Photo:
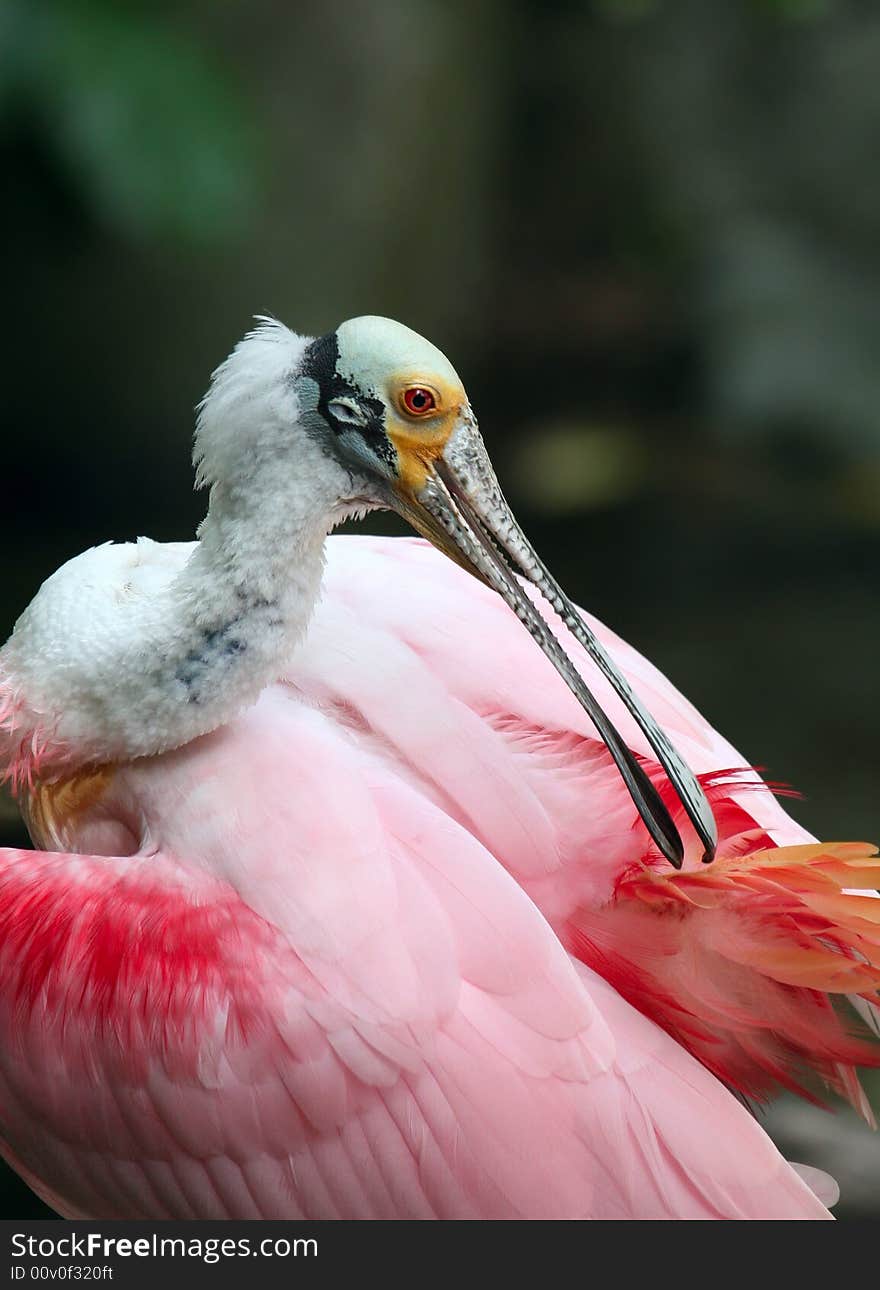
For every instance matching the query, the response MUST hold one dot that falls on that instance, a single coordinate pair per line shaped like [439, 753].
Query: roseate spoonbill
[345, 909]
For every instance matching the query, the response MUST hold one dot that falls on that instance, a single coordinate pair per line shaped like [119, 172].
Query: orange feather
[743, 962]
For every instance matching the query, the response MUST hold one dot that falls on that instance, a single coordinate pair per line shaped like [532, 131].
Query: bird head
[389, 399]
[387, 414]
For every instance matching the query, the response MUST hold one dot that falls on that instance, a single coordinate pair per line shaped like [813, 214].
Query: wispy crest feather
[257, 375]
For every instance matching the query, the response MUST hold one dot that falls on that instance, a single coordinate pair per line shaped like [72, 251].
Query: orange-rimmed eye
[419, 401]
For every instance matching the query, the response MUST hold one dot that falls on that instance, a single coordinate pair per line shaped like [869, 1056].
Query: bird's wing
[395, 1032]
[430, 666]
[420, 656]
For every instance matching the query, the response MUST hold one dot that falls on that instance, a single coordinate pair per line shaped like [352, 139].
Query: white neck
[232, 617]
[129, 651]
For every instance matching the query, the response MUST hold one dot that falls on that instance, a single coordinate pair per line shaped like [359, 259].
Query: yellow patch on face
[51, 808]
[420, 440]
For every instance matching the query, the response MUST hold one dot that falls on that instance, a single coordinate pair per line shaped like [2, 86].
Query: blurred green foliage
[150, 125]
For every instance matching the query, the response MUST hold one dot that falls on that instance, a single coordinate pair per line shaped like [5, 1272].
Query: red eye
[418, 401]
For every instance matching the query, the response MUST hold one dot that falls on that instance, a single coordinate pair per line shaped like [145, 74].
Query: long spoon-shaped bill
[462, 511]
[506, 532]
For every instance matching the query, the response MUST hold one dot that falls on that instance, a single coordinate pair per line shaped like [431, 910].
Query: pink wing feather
[327, 984]
[173, 1057]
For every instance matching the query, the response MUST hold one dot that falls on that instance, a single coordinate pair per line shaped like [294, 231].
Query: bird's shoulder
[94, 592]
[65, 646]
[110, 572]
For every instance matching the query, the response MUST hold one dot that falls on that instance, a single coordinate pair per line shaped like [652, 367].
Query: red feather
[737, 962]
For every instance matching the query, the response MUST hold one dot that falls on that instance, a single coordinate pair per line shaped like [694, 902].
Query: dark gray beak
[462, 510]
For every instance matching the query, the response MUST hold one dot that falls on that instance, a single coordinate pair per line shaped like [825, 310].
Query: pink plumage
[357, 900]
[331, 980]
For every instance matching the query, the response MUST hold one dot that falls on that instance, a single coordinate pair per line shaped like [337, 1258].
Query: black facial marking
[319, 363]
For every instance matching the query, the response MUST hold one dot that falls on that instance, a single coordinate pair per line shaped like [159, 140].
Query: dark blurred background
[645, 232]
